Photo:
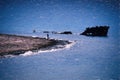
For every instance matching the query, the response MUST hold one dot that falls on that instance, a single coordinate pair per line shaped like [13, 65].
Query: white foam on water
[59, 47]
[6, 56]
[27, 53]
[70, 45]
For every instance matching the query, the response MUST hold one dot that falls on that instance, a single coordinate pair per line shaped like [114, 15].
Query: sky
[58, 15]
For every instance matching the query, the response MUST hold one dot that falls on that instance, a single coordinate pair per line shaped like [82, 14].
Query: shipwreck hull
[96, 31]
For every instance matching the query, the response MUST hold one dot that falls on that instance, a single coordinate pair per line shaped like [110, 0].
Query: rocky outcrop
[15, 45]
[66, 32]
[46, 31]
[54, 32]
[96, 31]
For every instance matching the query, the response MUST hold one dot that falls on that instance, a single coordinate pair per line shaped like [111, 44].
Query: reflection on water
[91, 58]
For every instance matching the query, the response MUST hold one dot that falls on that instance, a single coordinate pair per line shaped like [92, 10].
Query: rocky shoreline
[15, 45]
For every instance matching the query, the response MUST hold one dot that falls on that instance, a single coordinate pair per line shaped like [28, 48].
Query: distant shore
[15, 45]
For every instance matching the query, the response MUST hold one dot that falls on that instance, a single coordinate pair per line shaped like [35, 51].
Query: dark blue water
[90, 58]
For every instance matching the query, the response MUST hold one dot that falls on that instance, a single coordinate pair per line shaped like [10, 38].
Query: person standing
[47, 36]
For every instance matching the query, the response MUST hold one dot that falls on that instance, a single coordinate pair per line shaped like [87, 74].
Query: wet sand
[15, 45]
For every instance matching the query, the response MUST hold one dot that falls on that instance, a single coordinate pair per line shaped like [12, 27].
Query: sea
[87, 58]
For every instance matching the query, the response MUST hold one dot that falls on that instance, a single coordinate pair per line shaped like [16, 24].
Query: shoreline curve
[17, 45]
